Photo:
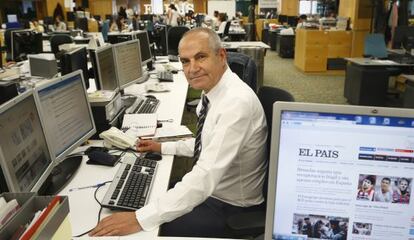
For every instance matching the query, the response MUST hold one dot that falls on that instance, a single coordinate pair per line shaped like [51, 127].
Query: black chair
[251, 225]
[244, 67]
[58, 39]
[81, 23]
[174, 36]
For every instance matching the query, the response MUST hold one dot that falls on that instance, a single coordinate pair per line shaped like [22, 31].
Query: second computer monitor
[68, 116]
[73, 60]
[25, 42]
[104, 65]
[144, 44]
[128, 63]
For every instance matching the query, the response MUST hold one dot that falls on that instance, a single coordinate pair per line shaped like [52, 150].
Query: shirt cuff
[169, 148]
[148, 218]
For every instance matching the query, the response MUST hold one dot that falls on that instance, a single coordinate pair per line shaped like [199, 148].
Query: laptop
[340, 172]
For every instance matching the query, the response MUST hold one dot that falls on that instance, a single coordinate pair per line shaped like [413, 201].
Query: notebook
[138, 125]
[340, 172]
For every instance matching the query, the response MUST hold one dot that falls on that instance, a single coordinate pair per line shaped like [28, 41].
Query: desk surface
[376, 63]
[83, 208]
[233, 45]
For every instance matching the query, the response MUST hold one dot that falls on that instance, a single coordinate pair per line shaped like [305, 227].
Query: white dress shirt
[232, 163]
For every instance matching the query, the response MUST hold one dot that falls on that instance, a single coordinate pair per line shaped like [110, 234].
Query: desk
[83, 208]
[366, 80]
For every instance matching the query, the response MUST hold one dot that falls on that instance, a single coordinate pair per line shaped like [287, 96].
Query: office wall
[223, 6]
[101, 7]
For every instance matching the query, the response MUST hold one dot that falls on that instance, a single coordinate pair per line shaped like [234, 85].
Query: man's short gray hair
[213, 38]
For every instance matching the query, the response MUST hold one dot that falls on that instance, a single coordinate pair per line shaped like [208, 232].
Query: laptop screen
[341, 172]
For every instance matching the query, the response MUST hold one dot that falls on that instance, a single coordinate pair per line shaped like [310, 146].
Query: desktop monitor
[144, 44]
[128, 63]
[68, 121]
[327, 168]
[70, 16]
[25, 156]
[11, 18]
[25, 42]
[160, 36]
[73, 60]
[104, 66]
[400, 35]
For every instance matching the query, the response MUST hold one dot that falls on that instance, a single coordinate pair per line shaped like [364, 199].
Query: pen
[166, 120]
[86, 187]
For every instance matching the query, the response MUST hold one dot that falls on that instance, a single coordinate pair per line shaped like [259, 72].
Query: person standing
[172, 16]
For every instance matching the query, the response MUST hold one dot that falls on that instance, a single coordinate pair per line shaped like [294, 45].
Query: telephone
[117, 138]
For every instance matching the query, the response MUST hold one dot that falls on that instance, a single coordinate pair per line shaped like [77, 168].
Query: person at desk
[301, 21]
[229, 152]
[59, 25]
[36, 26]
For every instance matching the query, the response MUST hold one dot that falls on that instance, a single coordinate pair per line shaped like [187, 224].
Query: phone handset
[117, 138]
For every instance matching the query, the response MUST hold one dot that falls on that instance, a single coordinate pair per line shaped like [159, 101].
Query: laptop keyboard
[131, 185]
[165, 76]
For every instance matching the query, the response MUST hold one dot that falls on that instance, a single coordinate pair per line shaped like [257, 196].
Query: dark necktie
[200, 124]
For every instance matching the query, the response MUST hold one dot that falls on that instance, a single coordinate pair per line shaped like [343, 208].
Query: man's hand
[148, 146]
[118, 224]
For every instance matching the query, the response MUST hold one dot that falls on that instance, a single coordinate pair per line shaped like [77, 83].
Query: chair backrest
[375, 46]
[82, 23]
[58, 39]
[268, 96]
[105, 29]
[244, 67]
[174, 36]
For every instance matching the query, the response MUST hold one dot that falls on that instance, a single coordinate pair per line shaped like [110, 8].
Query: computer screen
[25, 157]
[105, 68]
[144, 44]
[128, 63]
[73, 60]
[161, 39]
[114, 38]
[25, 42]
[401, 33]
[69, 120]
[340, 172]
[11, 18]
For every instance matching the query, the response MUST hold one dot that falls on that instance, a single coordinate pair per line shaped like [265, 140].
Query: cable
[100, 210]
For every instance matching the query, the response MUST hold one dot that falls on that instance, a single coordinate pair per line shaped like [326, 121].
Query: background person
[229, 152]
[172, 15]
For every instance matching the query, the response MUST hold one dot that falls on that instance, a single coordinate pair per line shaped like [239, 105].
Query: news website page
[344, 177]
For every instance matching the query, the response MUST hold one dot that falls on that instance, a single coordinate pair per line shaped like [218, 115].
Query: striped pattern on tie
[200, 124]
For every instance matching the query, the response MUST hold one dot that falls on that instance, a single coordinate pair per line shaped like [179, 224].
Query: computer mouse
[153, 156]
[174, 71]
[150, 96]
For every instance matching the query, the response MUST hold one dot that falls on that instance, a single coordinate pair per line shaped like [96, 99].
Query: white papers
[138, 125]
[171, 133]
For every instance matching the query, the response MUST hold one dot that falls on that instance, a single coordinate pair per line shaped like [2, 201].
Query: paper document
[138, 125]
[171, 133]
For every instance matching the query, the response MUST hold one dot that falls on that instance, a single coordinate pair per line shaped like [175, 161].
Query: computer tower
[8, 90]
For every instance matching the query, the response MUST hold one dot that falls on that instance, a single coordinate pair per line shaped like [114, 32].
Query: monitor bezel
[87, 135]
[13, 187]
[144, 62]
[139, 79]
[278, 108]
[98, 67]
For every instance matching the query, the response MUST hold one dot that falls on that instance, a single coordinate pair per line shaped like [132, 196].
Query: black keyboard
[402, 58]
[149, 106]
[165, 76]
[131, 185]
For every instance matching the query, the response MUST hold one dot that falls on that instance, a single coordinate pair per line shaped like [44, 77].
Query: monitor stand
[61, 175]
[150, 66]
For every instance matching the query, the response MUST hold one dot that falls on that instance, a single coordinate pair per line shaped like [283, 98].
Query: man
[307, 228]
[229, 152]
[402, 195]
[384, 195]
[366, 192]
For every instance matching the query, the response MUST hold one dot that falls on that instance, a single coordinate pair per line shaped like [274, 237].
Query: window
[308, 7]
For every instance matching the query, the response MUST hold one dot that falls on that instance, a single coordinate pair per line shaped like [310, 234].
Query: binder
[57, 221]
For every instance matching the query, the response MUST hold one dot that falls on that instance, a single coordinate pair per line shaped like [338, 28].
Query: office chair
[251, 225]
[174, 36]
[244, 67]
[375, 46]
[58, 39]
[105, 29]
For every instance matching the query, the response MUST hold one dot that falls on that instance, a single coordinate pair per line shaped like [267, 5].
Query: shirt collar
[214, 94]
